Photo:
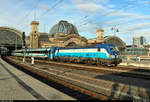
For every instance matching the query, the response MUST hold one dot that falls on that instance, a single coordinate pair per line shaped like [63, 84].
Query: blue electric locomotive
[106, 54]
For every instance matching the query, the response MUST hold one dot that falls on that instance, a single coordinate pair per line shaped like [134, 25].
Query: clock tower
[34, 35]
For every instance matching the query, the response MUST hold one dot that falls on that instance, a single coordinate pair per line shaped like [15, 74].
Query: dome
[63, 27]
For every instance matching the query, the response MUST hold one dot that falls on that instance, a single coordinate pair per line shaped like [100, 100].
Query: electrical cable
[59, 1]
[28, 14]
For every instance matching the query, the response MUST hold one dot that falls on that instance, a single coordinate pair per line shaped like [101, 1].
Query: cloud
[91, 28]
[136, 27]
[124, 14]
[124, 18]
[118, 13]
[140, 2]
[131, 18]
[14, 14]
[104, 1]
[116, 21]
[88, 6]
[43, 6]
[110, 6]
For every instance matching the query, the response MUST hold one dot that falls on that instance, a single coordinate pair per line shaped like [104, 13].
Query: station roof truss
[10, 37]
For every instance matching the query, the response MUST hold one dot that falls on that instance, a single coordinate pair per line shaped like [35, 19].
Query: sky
[131, 17]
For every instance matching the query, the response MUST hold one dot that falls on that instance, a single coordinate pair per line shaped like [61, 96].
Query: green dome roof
[63, 27]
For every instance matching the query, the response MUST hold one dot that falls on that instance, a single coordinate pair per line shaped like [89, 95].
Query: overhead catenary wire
[28, 14]
[80, 20]
[59, 1]
[85, 23]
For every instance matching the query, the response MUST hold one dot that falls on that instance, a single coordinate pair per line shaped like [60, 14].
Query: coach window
[99, 49]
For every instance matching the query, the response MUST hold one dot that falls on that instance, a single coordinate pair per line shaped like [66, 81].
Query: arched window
[72, 44]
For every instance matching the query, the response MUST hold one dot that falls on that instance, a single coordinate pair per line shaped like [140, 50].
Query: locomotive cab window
[113, 48]
[98, 49]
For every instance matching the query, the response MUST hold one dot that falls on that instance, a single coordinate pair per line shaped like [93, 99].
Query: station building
[62, 34]
[65, 34]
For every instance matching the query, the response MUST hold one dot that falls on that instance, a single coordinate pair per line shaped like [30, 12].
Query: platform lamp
[24, 45]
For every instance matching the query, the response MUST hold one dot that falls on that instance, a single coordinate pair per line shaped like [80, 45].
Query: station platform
[142, 65]
[17, 85]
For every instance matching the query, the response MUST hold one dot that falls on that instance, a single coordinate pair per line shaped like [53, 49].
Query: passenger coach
[37, 53]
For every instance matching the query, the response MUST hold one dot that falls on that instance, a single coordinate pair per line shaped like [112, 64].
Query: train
[3, 51]
[101, 54]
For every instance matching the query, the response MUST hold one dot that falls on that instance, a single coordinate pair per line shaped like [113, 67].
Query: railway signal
[24, 45]
[23, 39]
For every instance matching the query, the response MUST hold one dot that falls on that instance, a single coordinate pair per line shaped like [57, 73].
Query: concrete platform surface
[136, 64]
[17, 85]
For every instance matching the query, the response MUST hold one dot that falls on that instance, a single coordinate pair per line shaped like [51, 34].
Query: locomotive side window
[112, 48]
[98, 49]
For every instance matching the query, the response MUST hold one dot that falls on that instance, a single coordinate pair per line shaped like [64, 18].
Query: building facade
[34, 35]
[142, 40]
[139, 41]
[62, 34]
[99, 39]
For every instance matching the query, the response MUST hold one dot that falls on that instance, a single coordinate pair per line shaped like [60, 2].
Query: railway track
[80, 80]
[120, 71]
[65, 80]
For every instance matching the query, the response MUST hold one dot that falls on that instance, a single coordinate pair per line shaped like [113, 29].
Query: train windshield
[114, 48]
